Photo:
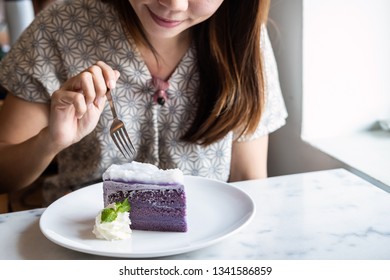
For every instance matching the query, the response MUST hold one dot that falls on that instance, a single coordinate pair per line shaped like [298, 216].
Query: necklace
[160, 95]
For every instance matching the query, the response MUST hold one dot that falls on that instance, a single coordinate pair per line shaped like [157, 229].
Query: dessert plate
[215, 210]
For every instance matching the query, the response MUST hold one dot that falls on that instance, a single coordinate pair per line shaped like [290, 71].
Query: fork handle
[109, 97]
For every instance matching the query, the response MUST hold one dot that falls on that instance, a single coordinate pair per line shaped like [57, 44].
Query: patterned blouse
[69, 37]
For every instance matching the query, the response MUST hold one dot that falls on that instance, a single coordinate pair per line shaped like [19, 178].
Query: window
[346, 83]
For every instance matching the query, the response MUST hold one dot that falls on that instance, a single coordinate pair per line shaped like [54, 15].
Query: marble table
[324, 215]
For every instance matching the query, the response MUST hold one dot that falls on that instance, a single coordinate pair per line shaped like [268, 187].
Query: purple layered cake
[156, 196]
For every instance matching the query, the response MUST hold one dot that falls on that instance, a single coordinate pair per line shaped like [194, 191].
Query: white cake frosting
[143, 172]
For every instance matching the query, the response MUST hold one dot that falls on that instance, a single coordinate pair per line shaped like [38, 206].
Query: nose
[175, 5]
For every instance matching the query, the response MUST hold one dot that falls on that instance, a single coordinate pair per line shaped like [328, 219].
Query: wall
[288, 153]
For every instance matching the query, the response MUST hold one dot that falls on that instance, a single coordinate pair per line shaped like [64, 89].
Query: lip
[167, 23]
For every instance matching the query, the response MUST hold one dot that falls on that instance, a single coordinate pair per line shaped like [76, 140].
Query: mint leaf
[108, 215]
[123, 206]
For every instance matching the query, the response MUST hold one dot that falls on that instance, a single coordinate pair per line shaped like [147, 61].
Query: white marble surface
[372, 161]
[319, 215]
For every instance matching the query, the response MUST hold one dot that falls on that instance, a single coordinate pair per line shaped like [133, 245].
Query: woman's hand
[73, 113]
[78, 104]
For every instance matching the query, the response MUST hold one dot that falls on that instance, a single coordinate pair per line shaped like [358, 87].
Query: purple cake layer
[153, 207]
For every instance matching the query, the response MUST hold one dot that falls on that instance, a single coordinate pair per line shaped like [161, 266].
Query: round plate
[215, 210]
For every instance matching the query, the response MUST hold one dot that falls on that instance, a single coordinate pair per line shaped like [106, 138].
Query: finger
[117, 74]
[64, 100]
[100, 103]
[87, 87]
[103, 77]
[80, 105]
[93, 84]
[110, 75]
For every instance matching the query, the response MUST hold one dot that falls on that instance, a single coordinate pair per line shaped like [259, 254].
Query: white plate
[215, 210]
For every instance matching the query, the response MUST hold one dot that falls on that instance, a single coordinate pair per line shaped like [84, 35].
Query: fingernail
[111, 84]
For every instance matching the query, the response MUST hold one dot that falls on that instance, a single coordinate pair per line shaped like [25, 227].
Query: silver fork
[118, 132]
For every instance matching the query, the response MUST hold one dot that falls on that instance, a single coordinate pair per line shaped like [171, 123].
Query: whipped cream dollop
[143, 172]
[118, 229]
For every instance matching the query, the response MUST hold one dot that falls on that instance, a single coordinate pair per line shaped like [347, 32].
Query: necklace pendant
[160, 96]
[161, 101]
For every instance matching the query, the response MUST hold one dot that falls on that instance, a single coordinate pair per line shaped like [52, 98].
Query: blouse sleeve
[275, 113]
[31, 69]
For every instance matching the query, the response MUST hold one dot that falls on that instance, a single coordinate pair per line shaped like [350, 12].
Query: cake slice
[156, 196]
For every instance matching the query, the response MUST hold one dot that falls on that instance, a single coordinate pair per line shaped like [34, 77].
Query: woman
[194, 85]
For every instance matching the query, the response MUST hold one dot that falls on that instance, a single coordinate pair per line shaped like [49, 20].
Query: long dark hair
[231, 90]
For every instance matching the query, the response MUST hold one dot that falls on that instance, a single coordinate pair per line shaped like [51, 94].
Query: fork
[118, 132]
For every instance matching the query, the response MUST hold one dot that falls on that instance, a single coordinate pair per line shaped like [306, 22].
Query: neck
[169, 52]
[166, 45]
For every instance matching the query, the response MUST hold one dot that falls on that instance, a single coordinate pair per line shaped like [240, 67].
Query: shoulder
[67, 23]
[76, 10]
[72, 5]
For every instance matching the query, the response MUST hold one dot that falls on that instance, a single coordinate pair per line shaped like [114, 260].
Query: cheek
[204, 9]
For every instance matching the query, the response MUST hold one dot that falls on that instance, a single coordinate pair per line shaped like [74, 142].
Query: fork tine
[127, 141]
[120, 143]
[117, 144]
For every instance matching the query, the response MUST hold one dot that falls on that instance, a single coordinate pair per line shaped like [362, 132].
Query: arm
[32, 134]
[249, 160]
[24, 155]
